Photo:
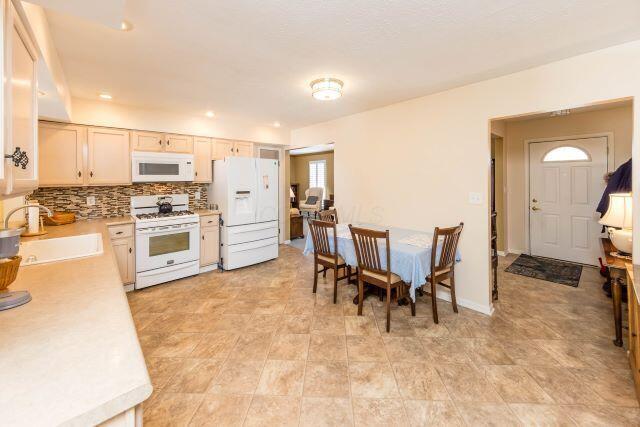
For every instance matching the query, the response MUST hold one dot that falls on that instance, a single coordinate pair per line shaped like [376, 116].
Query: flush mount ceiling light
[209, 114]
[126, 26]
[326, 89]
[105, 95]
[276, 124]
[41, 93]
[560, 113]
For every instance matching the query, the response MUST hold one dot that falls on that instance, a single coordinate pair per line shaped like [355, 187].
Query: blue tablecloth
[412, 263]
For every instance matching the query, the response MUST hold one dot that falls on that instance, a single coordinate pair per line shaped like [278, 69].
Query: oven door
[161, 169]
[168, 245]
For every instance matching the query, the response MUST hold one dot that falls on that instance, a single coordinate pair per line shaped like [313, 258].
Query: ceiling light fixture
[560, 113]
[41, 92]
[276, 124]
[326, 89]
[126, 26]
[209, 114]
[105, 95]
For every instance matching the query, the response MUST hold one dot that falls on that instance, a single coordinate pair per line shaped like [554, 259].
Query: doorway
[565, 183]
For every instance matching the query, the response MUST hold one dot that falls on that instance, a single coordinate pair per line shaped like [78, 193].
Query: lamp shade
[619, 212]
[291, 195]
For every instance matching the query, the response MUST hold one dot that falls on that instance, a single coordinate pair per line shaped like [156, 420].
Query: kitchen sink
[60, 249]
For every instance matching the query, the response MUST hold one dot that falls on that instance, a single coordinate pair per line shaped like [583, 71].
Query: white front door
[566, 181]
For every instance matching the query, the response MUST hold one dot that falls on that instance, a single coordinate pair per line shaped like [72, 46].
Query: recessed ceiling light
[326, 89]
[105, 95]
[126, 26]
[276, 124]
[42, 93]
[210, 114]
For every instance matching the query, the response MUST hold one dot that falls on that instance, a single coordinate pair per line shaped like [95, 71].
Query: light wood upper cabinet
[203, 152]
[108, 158]
[243, 149]
[20, 125]
[225, 148]
[60, 149]
[147, 141]
[178, 143]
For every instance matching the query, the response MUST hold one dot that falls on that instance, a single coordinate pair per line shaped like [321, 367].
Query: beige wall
[300, 171]
[413, 164]
[106, 113]
[618, 121]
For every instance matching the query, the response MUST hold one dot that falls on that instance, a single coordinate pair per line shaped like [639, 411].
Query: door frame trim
[527, 177]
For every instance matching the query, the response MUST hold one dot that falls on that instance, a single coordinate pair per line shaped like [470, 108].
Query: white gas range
[167, 244]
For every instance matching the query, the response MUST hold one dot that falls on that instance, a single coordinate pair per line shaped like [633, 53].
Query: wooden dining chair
[447, 239]
[370, 269]
[323, 255]
[330, 215]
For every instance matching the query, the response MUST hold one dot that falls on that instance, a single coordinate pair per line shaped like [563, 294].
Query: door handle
[535, 208]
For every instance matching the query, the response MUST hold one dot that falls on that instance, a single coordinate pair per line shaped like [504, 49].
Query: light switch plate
[197, 195]
[91, 200]
[475, 198]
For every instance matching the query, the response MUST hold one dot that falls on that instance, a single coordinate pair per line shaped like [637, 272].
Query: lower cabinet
[209, 240]
[634, 332]
[123, 245]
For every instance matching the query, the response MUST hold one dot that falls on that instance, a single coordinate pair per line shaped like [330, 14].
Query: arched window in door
[566, 153]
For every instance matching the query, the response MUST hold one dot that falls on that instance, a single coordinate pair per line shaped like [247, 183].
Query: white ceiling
[254, 60]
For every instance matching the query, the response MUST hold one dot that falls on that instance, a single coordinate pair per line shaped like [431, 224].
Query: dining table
[410, 252]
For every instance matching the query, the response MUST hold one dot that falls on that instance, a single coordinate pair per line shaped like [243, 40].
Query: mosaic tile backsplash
[112, 201]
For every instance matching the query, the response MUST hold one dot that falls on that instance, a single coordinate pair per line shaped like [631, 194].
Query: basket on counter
[8, 271]
[60, 218]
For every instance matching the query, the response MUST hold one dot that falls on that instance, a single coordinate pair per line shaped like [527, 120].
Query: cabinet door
[108, 155]
[147, 141]
[243, 149]
[60, 147]
[179, 143]
[223, 148]
[21, 109]
[202, 150]
[125, 259]
[209, 245]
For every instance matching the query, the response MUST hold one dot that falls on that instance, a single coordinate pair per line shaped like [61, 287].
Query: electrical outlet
[91, 200]
[197, 195]
[475, 198]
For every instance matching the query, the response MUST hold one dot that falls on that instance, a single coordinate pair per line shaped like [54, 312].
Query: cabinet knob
[79, 174]
[202, 237]
[91, 173]
[130, 250]
[196, 173]
[119, 232]
[167, 142]
[160, 142]
[633, 334]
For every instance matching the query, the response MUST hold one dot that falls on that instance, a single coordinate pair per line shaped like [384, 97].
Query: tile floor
[257, 347]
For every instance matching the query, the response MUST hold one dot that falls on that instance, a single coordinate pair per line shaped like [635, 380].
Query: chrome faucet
[12, 211]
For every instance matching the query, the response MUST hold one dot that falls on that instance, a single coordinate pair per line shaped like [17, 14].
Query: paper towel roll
[34, 218]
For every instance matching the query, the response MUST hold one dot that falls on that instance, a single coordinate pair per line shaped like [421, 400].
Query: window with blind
[318, 174]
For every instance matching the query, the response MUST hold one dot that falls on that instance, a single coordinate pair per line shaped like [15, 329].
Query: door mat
[551, 270]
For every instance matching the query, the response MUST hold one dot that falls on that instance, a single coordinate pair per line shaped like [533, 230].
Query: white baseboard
[516, 251]
[130, 287]
[208, 268]
[462, 302]
[287, 242]
[502, 253]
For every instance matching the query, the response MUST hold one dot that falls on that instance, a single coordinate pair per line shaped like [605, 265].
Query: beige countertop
[71, 356]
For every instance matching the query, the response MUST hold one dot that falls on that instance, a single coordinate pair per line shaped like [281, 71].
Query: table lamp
[618, 221]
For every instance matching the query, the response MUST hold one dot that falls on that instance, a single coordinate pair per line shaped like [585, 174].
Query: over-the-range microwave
[161, 167]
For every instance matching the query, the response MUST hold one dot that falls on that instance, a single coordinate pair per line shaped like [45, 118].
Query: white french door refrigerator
[246, 192]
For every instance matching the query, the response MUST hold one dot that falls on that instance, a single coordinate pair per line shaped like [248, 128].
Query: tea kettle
[164, 205]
